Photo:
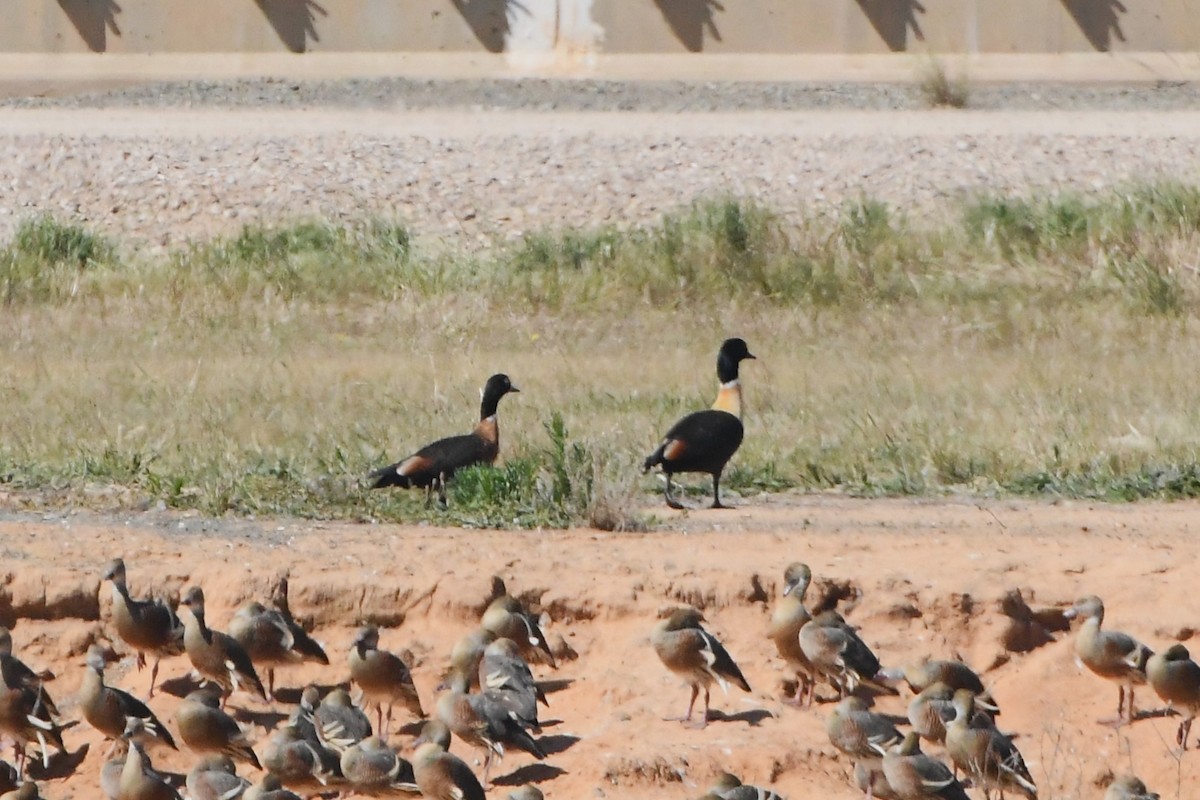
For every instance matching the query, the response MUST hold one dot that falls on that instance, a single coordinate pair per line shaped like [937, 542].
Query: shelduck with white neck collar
[430, 467]
[704, 441]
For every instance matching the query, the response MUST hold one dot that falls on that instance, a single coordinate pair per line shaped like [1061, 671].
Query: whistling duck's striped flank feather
[721, 663]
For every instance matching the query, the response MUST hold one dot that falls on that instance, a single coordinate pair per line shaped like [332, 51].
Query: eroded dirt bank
[930, 574]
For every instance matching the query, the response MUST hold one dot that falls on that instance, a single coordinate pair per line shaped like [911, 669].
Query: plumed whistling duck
[981, 751]
[704, 441]
[912, 774]
[1110, 654]
[1176, 678]
[1129, 787]
[214, 777]
[430, 467]
[859, 732]
[789, 617]
[148, 626]
[694, 654]
[107, 708]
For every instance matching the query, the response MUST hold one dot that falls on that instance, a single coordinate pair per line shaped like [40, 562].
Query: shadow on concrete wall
[94, 19]
[294, 21]
[892, 20]
[689, 19]
[1100, 20]
[489, 20]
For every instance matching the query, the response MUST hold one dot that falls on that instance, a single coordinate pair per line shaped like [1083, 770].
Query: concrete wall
[880, 26]
[608, 26]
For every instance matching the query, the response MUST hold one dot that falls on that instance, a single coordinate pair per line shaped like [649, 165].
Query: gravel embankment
[463, 175]
[535, 94]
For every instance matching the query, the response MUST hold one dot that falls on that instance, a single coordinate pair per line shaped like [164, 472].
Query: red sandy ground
[930, 573]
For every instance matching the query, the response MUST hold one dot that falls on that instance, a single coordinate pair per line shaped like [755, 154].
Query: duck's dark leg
[717, 491]
[671, 501]
[441, 482]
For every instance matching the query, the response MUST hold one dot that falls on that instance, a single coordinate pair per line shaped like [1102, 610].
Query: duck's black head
[496, 387]
[732, 352]
[1177, 652]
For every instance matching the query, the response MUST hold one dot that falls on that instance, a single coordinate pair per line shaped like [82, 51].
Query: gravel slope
[158, 165]
[602, 95]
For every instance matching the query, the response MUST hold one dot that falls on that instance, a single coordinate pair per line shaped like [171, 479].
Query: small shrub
[940, 90]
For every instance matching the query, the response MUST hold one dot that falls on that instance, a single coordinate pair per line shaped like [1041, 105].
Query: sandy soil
[930, 574]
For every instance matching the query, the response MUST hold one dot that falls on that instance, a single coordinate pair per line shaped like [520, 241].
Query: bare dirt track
[930, 575]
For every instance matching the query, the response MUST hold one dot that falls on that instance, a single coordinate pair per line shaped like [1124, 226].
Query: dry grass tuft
[940, 89]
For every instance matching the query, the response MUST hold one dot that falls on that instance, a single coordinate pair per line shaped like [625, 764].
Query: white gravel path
[162, 176]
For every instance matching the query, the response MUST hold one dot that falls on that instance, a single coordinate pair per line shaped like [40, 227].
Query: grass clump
[729, 248]
[1170, 481]
[940, 90]
[311, 260]
[1153, 285]
[726, 247]
[46, 261]
[52, 242]
[558, 486]
[1021, 227]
